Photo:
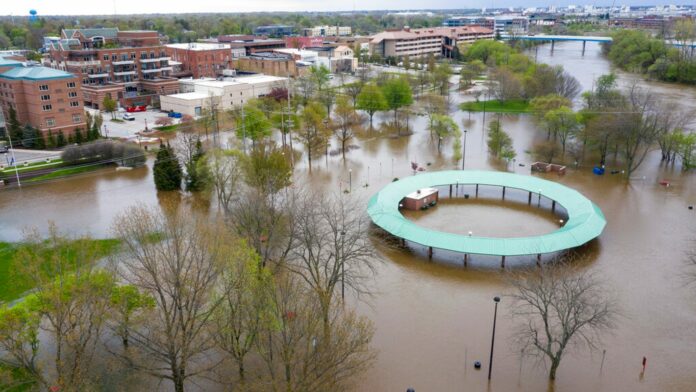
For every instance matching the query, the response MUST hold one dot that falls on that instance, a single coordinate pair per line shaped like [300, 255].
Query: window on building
[50, 122]
[106, 57]
[72, 94]
[74, 104]
[76, 118]
[71, 84]
[47, 108]
[43, 87]
[45, 97]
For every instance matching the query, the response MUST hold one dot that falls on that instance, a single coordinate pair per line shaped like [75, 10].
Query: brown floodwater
[433, 319]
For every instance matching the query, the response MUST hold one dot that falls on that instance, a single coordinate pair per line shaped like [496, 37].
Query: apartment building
[269, 63]
[324, 31]
[198, 94]
[131, 67]
[438, 41]
[274, 30]
[200, 60]
[45, 98]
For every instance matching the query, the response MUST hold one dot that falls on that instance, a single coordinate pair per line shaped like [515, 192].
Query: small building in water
[420, 199]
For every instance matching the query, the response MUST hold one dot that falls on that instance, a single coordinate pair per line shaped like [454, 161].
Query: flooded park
[433, 319]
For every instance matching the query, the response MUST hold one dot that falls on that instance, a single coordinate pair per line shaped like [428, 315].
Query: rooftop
[251, 79]
[199, 46]
[106, 32]
[6, 62]
[35, 73]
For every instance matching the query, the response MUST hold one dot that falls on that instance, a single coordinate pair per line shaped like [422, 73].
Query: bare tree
[346, 118]
[70, 304]
[177, 260]
[223, 174]
[331, 250]
[640, 129]
[299, 355]
[559, 308]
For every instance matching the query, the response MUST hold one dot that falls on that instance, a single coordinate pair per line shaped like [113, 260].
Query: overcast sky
[91, 7]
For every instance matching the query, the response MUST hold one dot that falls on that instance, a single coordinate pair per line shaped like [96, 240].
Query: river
[434, 319]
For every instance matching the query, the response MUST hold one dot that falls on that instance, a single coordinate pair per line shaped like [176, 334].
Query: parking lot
[128, 129]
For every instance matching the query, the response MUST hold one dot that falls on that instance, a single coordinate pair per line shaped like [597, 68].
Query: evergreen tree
[193, 180]
[29, 135]
[40, 141]
[50, 140]
[78, 136]
[167, 171]
[60, 141]
[13, 126]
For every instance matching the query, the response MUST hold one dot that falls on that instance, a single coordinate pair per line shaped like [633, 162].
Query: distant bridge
[553, 38]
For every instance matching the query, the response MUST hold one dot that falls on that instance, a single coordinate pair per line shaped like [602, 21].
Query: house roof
[106, 32]
[5, 62]
[35, 73]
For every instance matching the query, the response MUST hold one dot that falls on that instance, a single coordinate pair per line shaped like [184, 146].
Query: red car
[134, 109]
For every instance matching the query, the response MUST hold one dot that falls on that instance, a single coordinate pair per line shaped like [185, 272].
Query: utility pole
[495, 315]
[14, 161]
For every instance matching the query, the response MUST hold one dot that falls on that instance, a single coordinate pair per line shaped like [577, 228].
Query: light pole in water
[350, 180]
[464, 150]
[495, 316]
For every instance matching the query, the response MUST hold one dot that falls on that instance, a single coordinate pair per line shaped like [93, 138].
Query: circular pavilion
[585, 220]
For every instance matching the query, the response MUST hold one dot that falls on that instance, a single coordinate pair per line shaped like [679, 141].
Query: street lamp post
[495, 316]
[539, 200]
[464, 150]
[350, 180]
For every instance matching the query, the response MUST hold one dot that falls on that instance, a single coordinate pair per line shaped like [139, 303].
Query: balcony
[82, 63]
[124, 73]
[123, 62]
[98, 75]
[167, 68]
[153, 60]
[152, 70]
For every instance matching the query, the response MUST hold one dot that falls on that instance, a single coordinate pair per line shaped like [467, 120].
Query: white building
[338, 59]
[327, 31]
[198, 94]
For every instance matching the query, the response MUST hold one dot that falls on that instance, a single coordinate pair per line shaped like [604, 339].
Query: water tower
[32, 15]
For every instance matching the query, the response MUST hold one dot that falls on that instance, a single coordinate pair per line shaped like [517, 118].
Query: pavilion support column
[477, 190]
[430, 253]
[502, 262]
[503, 193]
[553, 44]
[403, 243]
[450, 191]
[583, 47]
[553, 206]
[538, 261]
[529, 200]
[466, 259]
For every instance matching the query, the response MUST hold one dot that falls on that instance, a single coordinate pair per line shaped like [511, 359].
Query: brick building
[438, 41]
[130, 66]
[276, 64]
[251, 43]
[45, 98]
[200, 60]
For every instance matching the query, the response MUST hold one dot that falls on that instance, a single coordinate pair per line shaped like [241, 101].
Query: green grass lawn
[511, 106]
[68, 171]
[168, 128]
[33, 166]
[13, 282]
[117, 120]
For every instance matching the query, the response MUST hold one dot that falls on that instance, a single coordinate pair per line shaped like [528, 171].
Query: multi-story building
[324, 31]
[200, 60]
[511, 25]
[303, 42]
[47, 99]
[131, 67]
[274, 30]
[336, 59]
[277, 64]
[438, 41]
[199, 94]
[459, 21]
[251, 44]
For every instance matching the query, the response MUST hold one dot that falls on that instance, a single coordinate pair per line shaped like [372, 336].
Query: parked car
[133, 109]
[4, 147]
[128, 117]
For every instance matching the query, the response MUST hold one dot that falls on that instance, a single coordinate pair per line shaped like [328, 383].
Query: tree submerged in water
[167, 170]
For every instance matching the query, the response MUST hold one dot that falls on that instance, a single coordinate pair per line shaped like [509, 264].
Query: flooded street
[433, 320]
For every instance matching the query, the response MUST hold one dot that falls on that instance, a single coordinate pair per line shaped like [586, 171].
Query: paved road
[129, 128]
[22, 156]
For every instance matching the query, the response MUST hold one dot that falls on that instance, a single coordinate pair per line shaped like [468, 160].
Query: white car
[128, 117]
